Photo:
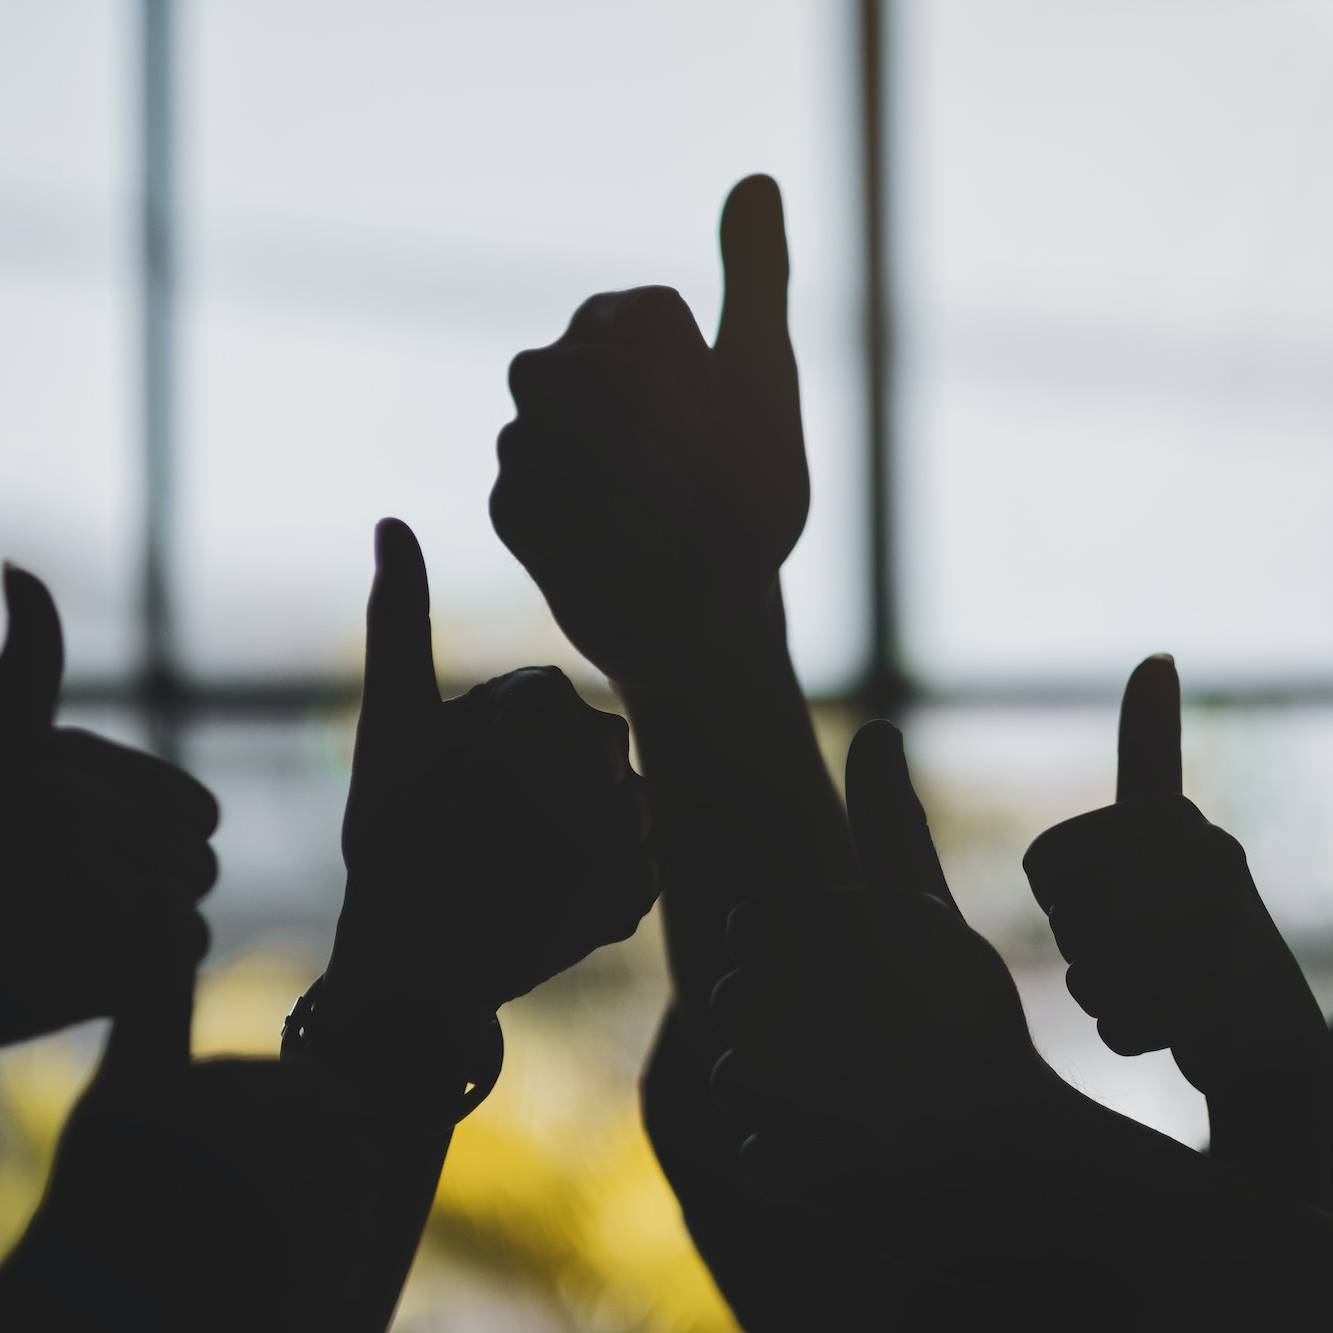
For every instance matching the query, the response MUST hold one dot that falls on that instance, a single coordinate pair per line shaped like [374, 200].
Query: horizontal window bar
[261, 695]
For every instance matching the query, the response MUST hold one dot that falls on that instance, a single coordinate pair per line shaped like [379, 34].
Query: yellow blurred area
[550, 1189]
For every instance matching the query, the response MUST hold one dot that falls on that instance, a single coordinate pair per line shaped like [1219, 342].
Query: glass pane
[281, 785]
[70, 504]
[383, 204]
[1116, 302]
[993, 778]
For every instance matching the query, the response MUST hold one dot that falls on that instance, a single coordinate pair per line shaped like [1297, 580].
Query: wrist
[428, 1088]
[385, 976]
[1269, 1035]
[750, 648]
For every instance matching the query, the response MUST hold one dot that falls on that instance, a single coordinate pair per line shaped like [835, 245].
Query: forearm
[362, 1034]
[409, 1171]
[50, 1281]
[1279, 1134]
[744, 805]
[1271, 1118]
[744, 800]
[1179, 1240]
[1266, 1068]
[1202, 1241]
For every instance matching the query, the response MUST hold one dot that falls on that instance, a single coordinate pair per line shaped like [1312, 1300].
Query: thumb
[33, 660]
[1150, 731]
[400, 667]
[754, 272]
[888, 824]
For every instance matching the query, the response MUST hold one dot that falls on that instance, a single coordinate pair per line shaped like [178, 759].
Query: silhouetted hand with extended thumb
[653, 486]
[103, 850]
[877, 1007]
[491, 840]
[1169, 943]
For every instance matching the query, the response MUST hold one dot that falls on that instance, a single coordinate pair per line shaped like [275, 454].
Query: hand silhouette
[104, 850]
[1167, 939]
[653, 486]
[914, 1149]
[491, 840]
[878, 1007]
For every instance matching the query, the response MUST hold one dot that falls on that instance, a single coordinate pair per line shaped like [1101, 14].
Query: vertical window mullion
[157, 365]
[885, 686]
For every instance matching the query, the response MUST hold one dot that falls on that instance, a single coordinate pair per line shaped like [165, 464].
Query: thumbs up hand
[652, 485]
[1154, 908]
[491, 840]
[877, 1007]
[1169, 945]
[103, 850]
[895, 1120]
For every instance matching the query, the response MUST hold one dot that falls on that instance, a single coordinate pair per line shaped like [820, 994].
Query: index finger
[1150, 731]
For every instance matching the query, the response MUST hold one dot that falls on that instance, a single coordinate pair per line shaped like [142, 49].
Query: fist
[1156, 913]
[103, 850]
[652, 485]
[492, 840]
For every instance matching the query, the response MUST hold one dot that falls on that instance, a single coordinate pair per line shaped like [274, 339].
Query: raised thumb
[400, 666]
[888, 824]
[1150, 731]
[33, 660]
[754, 272]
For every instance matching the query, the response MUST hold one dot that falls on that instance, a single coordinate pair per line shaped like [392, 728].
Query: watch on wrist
[424, 1084]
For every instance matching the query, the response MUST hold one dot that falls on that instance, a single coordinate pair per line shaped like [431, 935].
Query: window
[366, 243]
[1116, 294]
[1062, 309]
[70, 504]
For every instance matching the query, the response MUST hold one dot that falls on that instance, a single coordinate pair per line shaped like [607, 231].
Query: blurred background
[1064, 322]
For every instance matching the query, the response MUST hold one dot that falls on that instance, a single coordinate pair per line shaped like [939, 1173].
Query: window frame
[168, 699]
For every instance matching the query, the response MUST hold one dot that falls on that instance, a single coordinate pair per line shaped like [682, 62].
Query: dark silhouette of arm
[182, 1195]
[103, 850]
[1169, 945]
[894, 1102]
[491, 841]
[653, 486]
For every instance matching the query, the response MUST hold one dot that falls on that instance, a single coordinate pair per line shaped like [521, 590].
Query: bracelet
[481, 1055]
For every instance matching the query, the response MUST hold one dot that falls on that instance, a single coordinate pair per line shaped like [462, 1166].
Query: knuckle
[196, 937]
[636, 315]
[526, 375]
[655, 315]
[212, 813]
[594, 320]
[505, 511]
[1128, 1038]
[1085, 992]
[657, 302]
[1225, 849]
[621, 919]
[623, 930]
[534, 694]
[540, 685]
[512, 446]
[205, 874]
